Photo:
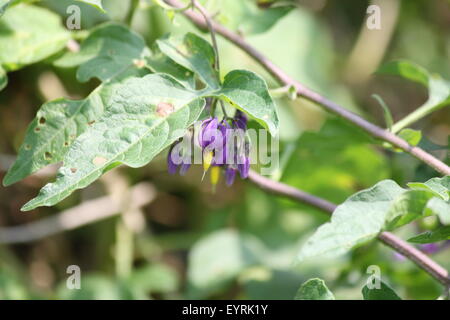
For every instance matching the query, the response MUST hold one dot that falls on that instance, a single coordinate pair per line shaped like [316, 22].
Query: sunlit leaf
[365, 214]
[247, 91]
[145, 116]
[57, 124]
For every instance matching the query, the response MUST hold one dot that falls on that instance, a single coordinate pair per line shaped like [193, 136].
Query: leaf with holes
[109, 50]
[145, 116]
[57, 124]
[248, 92]
[193, 53]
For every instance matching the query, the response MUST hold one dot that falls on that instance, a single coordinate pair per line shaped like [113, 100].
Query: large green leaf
[29, 34]
[193, 53]
[314, 289]
[365, 214]
[248, 92]
[438, 89]
[57, 124]
[383, 293]
[440, 234]
[146, 115]
[109, 50]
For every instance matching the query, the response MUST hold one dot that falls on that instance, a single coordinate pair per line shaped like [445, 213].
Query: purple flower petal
[230, 175]
[244, 167]
[171, 166]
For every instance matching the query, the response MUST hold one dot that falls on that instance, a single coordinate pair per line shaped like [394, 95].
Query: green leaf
[249, 17]
[193, 53]
[407, 70]
[411, 136]
[359, 219]
[440, 186]
[95, 3]
[3, 78]
[29, 34]
[384, 293]
[440, 234]
[438, 90]
[57, 124]
[314, 289]
[365, 214]
[219, 258]
[244, 89]
[145, 116]
[109, 50]
[160, 63]
[248, 92]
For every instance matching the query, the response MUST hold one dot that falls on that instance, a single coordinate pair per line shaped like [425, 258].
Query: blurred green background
[239, 242]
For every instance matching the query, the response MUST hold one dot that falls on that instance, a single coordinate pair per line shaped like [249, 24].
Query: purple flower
[240, 120]
[171, 166]
[230, 175]
[430, 248]
[178, 156]
[244, 167]
[208, 132]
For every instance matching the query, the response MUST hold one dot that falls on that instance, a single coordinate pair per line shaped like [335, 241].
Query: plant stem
[313, 96]
[389, 239]
[131, 10]
[212, 32]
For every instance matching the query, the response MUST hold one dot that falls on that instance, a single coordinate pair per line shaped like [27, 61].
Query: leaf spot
[37, 129]
[73, 170]
[163, 109]
[48, 156]
[42, 121]
[139, 63]
[90, 123]
[99, 161]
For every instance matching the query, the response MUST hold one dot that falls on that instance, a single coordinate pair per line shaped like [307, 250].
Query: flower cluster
[223, 144]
